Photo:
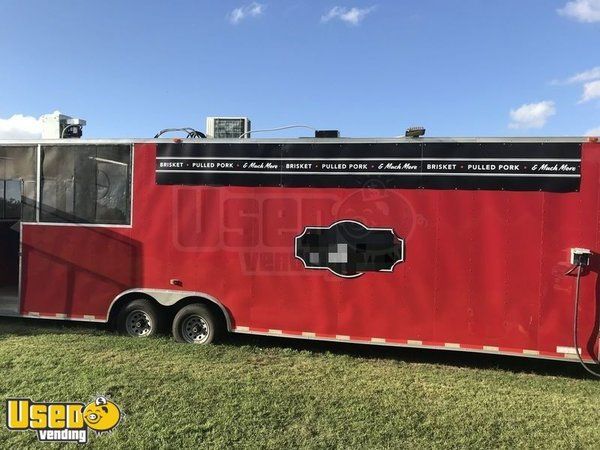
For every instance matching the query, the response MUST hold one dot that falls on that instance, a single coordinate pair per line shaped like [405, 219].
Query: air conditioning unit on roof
[227, 127]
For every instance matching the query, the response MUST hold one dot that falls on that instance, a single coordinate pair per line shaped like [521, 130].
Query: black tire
[197, 324]
[138, 318]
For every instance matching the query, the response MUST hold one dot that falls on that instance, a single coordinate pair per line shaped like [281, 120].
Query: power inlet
[580, 256]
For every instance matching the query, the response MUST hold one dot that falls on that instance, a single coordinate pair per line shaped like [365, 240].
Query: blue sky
[368, 68]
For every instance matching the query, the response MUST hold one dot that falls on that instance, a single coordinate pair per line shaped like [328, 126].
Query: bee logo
[101, 415]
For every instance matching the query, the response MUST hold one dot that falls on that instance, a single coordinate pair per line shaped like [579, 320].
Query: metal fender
[167, 297]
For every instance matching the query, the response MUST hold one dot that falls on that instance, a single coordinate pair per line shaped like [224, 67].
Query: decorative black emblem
[348, 248]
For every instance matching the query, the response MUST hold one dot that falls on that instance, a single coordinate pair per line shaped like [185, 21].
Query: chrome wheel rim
[195, 329]
[138, 323]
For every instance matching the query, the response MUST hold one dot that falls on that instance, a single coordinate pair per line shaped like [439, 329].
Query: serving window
[86, 184]
[17, 183]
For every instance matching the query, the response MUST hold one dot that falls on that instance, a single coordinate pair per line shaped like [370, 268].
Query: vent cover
[227, 127]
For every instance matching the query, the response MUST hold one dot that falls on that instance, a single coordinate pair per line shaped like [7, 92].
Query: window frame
[28, 203]
[128, 223]
[3, 208]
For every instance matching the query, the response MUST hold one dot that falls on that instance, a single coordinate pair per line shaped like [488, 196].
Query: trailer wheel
[196, 324]
[138, 318]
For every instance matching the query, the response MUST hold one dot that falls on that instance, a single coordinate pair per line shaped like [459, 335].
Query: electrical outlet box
[580, 256]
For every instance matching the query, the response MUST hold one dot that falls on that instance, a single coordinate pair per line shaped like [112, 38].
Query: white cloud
[352, 16]
[253, 9]
[532, 115]
[586, 75]
[590, 79]
[591, 91]
[19, 126]
[582, 10]
[593, 132]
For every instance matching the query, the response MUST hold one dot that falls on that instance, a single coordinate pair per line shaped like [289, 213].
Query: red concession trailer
[459, 244]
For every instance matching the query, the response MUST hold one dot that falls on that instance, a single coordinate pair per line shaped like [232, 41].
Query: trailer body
[458, 244]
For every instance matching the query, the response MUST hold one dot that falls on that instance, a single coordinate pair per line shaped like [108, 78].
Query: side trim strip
[61, 316]
[409, 343]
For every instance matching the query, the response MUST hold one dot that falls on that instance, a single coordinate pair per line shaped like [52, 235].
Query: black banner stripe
[514, 166]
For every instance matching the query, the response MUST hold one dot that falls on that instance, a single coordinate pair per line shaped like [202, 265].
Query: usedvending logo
[62, 422]
[348, 248]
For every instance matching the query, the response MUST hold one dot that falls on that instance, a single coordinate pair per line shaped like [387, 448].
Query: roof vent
[415, 132]
[327, 133]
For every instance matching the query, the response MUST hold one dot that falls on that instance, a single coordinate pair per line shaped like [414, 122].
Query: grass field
[276, 393]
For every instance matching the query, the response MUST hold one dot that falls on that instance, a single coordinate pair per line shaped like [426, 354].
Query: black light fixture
[327, 133]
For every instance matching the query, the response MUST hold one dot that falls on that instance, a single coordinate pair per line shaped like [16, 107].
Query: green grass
[277, 393]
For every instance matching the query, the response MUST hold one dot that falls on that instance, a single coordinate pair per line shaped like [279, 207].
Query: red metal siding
[481, 267]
